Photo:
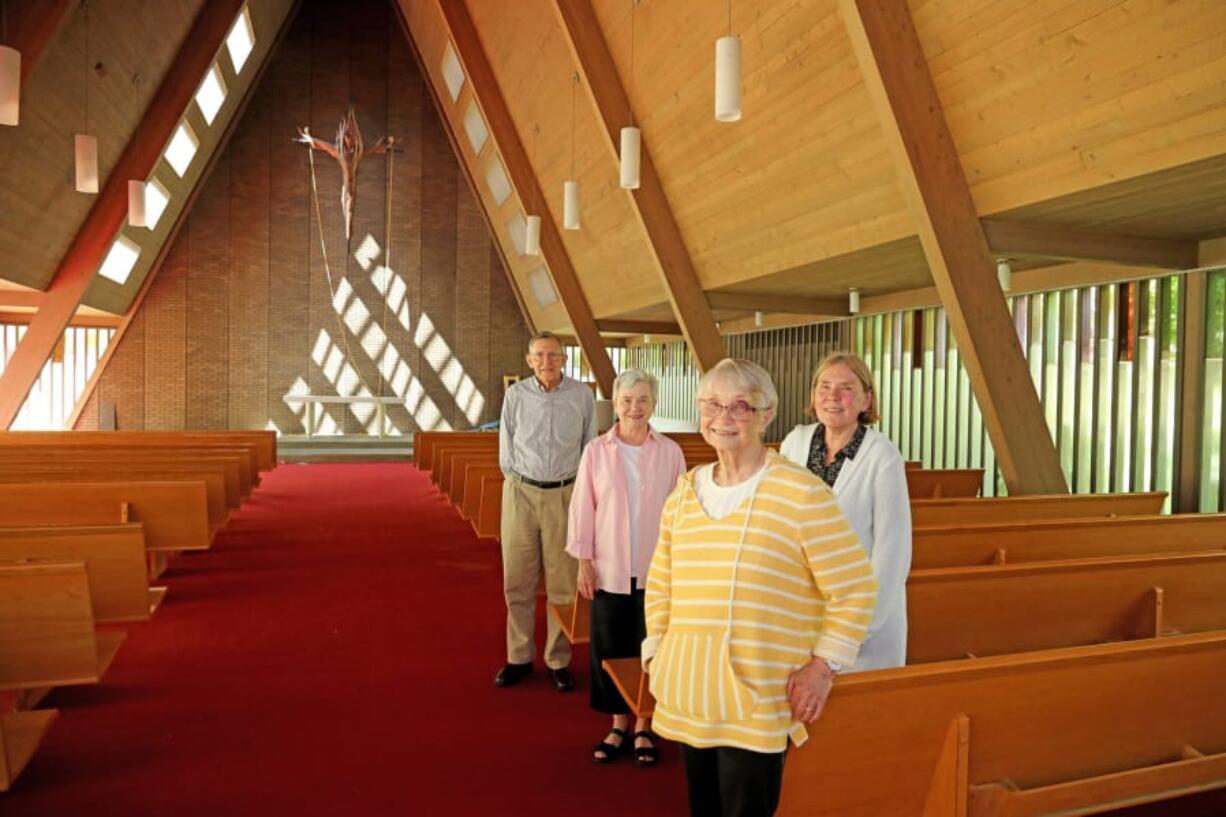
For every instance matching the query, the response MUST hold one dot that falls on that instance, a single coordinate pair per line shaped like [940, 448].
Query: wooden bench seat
[424, 441]
[115, 563]
[1079, 730]
[1052, 539]
[47, 634]
[20, 734]
[990, 510]
[259, 448]
[950, 482]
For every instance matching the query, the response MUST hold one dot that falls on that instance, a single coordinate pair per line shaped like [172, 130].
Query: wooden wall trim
[900, 86]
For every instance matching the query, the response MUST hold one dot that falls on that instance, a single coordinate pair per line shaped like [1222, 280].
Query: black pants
[729, 782]
[618, 630]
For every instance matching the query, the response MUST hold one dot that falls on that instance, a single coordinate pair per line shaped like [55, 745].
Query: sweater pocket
[693, 675]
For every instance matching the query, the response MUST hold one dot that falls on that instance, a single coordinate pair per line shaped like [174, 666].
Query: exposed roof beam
[1020, 239]
[899, 84]
[33, 31]
[81, 262]
[650, 206]
[477, 66]
[639, 327]
[772, 302]
[20, 298]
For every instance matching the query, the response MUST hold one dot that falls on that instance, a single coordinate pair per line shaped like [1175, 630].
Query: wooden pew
[20, 734]
[443, 450]
[1079, 730]
[47, 635]
[575, 619]
[470, 502]
[262, 444]
[115, 563]
[173, 513]
[423, 443]
[451, 472]
[946, 512]
[954, 482]
[488, 524]
[1051, 539]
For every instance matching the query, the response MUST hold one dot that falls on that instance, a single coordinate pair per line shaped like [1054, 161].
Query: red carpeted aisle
[333, 654]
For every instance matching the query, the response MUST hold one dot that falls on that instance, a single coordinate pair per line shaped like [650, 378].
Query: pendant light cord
[629, 96]
[86, 6]
[574, 85]
[729, 18]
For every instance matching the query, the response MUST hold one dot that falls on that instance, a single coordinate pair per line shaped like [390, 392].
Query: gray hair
[631, 378]
[545, 335]
[745, 375]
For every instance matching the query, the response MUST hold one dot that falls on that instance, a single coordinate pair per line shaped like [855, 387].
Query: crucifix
[348, 151]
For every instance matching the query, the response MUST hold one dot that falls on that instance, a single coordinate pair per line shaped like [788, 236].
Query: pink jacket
[599, 520]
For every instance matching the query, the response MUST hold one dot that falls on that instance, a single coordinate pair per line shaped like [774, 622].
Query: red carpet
[333, 654]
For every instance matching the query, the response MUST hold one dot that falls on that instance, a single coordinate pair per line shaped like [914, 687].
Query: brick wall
[241, 311]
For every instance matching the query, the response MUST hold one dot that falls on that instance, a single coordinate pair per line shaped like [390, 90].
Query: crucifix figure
[348, 151]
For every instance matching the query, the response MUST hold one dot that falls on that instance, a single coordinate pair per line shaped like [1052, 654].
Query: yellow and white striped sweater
[737, 605]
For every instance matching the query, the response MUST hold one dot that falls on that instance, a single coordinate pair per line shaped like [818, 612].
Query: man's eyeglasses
[546, 356]
[740, 410]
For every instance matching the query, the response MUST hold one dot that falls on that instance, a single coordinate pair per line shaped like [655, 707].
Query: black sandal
[610, 750]
[645, 755]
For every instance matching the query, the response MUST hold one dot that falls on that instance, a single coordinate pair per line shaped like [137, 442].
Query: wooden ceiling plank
[1020, 239]
[81, 262]
[639, 327]
[480, 73]
[773, 302]
[898, 81]
[651, 207]
[33, 31]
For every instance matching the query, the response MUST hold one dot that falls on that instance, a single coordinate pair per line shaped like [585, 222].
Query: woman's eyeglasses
[740, 410]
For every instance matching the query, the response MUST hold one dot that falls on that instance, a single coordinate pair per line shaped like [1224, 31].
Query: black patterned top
[817, 454]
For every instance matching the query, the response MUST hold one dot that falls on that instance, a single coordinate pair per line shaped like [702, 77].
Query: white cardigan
[872, 493]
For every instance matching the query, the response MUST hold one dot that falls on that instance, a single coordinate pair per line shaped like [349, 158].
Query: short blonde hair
[631, 378]
[747, 376]
[860, 369]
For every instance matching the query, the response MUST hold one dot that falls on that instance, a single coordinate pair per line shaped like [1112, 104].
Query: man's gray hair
[545, 335]
[631, 378]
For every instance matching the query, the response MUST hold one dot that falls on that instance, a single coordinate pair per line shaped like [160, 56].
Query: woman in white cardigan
[865, 471]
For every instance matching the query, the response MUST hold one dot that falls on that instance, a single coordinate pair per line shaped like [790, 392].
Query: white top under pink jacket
[599, 523]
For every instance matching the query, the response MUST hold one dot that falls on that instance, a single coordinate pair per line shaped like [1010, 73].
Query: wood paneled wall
[241, 312]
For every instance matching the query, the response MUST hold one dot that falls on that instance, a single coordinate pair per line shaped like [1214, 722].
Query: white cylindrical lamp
[10, 85]
[853, 301]
[1004, 274]
[85, 149]
[728, 79]
[632, 139]
[570, 205]
[137, 212]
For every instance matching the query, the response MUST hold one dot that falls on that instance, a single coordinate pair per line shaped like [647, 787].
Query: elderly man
[546, 422]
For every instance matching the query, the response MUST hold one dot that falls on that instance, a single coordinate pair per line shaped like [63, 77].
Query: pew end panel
[575, 619]
[20, 735]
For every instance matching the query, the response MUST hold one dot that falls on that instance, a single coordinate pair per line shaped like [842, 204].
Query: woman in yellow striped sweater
[758, 594]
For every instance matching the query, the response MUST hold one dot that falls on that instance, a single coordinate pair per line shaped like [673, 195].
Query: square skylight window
[156, 199]
[118, 264]
[497, 181]
[240, 41]
[517, 229]
[474, 126]
[453, 73]
[182, 148]
[542, 287]
[211, 95]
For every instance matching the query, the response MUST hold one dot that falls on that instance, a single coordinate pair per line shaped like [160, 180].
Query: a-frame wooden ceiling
[1101, 116]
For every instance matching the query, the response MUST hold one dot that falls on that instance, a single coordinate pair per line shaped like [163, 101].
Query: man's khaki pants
[534, 532]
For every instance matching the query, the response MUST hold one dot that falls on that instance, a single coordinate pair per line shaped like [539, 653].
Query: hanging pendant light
[728, 75]
[853, 300]
[138, 215]
[532, 230]
[570, 189]
[10, 76]
[631, 137]
[85, 147]
[1004, 274]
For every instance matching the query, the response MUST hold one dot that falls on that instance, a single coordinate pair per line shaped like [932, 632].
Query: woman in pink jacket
[624, 477]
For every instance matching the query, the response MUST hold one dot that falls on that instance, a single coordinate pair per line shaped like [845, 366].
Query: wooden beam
[900, 87]
[20, 298]
[33, 31]
[468, 48]
[771, 302]
[143, 150]
[1020, 239]
[639, 327]
[650, 206]
[1194, 292]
